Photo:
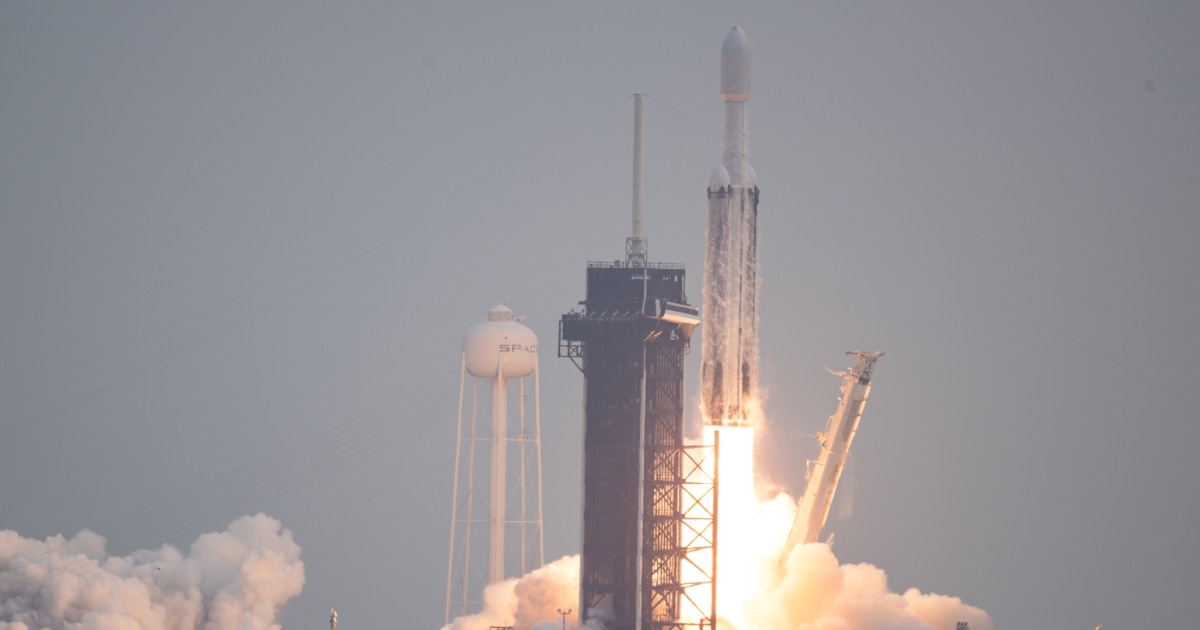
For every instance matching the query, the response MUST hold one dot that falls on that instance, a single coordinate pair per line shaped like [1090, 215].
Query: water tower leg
[462, 381]
[499, 448]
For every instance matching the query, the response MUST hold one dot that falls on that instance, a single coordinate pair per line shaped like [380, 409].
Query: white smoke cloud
[818, 593]
[813, 590]
[531, 602]
[815, 593]
[236, 579]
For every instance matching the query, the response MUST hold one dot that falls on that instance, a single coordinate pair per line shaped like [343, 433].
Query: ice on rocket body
[729, 344]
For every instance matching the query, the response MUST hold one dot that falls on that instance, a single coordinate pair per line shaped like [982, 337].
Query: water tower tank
[500, 342]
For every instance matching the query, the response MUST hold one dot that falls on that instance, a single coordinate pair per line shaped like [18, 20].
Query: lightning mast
[835, 448]
[635, 245]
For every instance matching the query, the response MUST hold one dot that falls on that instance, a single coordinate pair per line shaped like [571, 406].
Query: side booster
[729, 341]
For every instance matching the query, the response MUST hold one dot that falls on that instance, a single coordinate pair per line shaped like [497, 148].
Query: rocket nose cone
[735, 66]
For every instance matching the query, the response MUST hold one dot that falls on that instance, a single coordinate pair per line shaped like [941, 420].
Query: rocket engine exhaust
[729, 379]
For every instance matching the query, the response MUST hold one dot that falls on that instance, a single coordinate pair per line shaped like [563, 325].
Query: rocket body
[729, 343]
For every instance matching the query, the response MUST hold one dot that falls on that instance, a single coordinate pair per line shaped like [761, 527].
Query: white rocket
[729, 344]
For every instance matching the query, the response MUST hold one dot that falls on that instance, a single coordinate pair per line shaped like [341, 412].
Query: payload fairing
[729, 379]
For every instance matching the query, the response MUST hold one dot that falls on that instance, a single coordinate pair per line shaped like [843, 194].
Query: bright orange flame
[815, 591]
[750, 534]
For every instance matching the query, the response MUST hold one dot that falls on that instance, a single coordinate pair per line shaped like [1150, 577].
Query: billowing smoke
[813, 592]
[531, 602]
[818, 593]
[236, 579]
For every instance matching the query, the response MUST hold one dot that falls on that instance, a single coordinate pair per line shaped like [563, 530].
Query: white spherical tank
[500, 342]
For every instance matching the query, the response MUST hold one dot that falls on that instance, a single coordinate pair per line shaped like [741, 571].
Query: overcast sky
[240, 245]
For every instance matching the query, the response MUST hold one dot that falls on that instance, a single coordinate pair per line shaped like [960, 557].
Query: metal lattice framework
[693, 528]
[639, 478]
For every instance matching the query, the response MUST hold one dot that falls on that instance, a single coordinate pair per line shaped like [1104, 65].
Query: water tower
[499, 358]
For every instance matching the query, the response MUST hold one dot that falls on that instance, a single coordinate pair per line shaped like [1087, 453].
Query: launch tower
[629, 340]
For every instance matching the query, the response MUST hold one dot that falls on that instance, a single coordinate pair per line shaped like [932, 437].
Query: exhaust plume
[818, 593]
[236, 579]
[532, 602]
[810, 591]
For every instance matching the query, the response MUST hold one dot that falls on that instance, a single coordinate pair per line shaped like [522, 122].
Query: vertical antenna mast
[635, 246]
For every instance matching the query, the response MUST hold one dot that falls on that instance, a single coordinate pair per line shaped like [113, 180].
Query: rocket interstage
[729, 342]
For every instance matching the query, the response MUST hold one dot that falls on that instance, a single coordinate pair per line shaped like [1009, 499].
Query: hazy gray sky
[228, 228]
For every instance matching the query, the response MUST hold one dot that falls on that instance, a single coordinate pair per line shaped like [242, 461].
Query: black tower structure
[629, 340]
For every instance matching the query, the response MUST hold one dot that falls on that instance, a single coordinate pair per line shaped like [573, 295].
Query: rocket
[729, 342]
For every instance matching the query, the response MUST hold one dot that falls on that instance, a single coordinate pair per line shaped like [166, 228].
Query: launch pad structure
[647, 496]
[641, 483]
[650, 501]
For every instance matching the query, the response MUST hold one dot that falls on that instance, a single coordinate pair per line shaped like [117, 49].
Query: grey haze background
[227, 228]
